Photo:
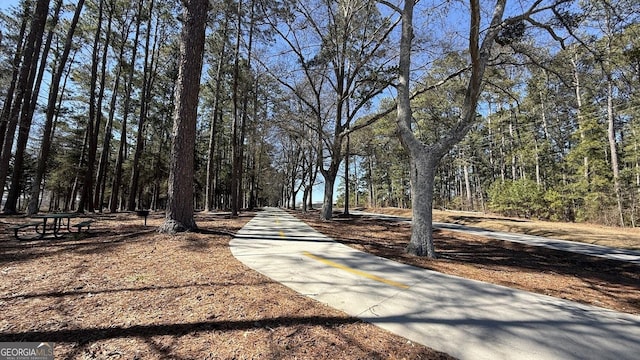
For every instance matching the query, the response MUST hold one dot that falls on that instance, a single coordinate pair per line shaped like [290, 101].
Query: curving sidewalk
[465, 318]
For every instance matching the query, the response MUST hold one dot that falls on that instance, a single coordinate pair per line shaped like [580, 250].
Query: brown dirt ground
[124, 291]
[590, 280]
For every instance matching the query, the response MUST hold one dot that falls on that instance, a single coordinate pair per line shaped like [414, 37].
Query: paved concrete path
[464, 318]
[557, 244]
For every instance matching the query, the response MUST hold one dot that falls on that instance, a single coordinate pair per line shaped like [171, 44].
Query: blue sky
[5, 4]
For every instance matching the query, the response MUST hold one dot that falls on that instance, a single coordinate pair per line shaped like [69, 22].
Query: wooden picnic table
[56, 224]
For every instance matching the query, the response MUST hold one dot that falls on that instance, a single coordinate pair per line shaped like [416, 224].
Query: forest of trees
[557, 138]
[292, 91]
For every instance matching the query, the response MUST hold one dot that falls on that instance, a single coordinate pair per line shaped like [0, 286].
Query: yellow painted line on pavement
[356, 271]
[281, 232]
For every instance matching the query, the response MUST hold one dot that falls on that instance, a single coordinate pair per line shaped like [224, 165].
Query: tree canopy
[537, 109]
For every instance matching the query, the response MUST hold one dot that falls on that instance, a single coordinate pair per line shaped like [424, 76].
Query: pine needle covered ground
[124, 291]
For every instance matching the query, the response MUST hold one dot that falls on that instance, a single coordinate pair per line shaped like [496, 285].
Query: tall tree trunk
[578, 92]
[117, 177]
[356, 193]
[95, 115]
[372, 185]
[255, 156]
[331, 173]
[240, 155]
[52, 109]
[245, 115]
[93, 122]
[613, 149]
[21, 103]
[97, 193]
[218, 196]
[292, 181]
[538, 175]
[179, 216]
[467, 184]
[252, 167]
[543, 112]
[424, 158]
[235, 126]
[29, 104]
[101, 178]
[512, 146]
[210, 202]
[144, 106]
[346, 178]
[6, 107]
[240, 112]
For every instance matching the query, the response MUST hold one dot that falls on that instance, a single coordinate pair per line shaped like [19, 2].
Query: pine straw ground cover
[126, 292]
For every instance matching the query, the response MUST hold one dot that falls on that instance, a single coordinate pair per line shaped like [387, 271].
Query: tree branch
[391, 6]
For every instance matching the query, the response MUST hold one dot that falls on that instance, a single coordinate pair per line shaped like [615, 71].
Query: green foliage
[517, 198]
[525, 198]
[557, 206]
[384, 168]
[437, 112]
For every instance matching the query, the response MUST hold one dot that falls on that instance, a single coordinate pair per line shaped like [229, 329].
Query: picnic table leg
[68, 224]
[55, 228]
[57, 225]
[44, 228]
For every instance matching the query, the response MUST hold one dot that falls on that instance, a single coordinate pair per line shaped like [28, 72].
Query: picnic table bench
[16, 228]
[59, 223]
[86, 223]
